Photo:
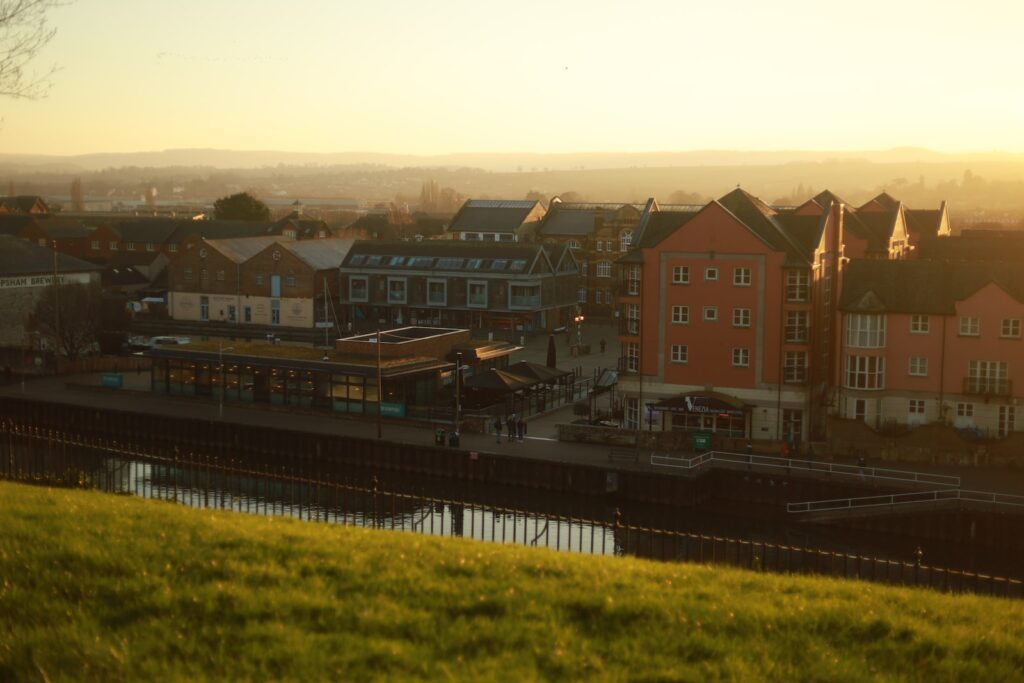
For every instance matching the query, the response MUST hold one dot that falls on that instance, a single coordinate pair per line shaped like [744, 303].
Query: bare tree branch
[23, 33]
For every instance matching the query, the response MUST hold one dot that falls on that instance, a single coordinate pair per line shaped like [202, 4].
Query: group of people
[516, 428]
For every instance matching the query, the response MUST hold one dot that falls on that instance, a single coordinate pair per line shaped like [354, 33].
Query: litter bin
[453, 439]
[439, 437]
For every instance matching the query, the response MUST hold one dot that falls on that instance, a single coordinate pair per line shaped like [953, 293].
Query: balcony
[987, 386]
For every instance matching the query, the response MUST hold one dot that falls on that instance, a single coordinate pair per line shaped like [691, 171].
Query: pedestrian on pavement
[521, 425]
[497, 429]
[512, 421]
[750, 448]
[861, 463]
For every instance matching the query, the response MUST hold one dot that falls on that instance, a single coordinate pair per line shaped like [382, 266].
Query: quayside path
[541, 443]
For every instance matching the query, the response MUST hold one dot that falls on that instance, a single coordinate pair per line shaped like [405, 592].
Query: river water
[501, 514]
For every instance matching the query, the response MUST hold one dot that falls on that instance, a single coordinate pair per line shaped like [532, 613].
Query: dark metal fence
[59, 458]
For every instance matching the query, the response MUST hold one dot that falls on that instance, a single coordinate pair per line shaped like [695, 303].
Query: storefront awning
[701, 403]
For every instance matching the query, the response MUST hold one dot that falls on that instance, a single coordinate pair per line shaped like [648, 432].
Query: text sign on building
[43, 280]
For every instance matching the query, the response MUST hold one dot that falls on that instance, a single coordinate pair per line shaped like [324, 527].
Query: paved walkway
[541, 443]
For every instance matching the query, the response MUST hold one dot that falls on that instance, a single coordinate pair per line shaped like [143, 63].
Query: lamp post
[578, 319]
[220, 363]
[458, 393]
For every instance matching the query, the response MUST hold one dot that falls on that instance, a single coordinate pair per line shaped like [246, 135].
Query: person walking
[521, 425]
[512, 422]
[497, 429]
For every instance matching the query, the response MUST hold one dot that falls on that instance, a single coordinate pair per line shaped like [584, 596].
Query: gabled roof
[661, 224]
[880, 226]
[925, 287]
[885, 201]
[760, 219]
[21, 257]
[240, 249]
[24, 203]
[322, 254]
[221, 229]
[826, 198]
[492, 215]
[923, 221]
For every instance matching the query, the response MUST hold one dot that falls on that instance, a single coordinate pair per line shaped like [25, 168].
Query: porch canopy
[702, 403]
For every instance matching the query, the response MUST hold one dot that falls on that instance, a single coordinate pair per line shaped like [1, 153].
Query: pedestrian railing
[794, 465]
[58, 458]
[1003, 501]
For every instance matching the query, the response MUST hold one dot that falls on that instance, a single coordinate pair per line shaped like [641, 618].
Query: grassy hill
[103, 587]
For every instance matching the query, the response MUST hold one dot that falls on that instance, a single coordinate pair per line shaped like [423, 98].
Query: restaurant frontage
[702, 412]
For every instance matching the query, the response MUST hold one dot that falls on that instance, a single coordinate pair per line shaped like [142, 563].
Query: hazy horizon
[457, 78]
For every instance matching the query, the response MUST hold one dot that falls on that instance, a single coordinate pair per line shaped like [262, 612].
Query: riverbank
[110, 587]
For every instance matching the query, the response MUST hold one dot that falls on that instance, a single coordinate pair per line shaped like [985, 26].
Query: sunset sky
[469, 76]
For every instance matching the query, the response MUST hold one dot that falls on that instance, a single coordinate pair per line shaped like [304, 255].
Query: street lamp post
[220, 363]
[578, 319]
[458, 393]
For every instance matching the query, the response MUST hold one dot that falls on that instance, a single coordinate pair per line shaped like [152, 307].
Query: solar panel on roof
[356, 260]
[518, 264]
[396, 261]
[448, 263]
[373, 260]
[499, 264]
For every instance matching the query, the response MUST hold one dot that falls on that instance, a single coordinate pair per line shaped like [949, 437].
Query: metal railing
[752, 461]
[59, 458]
[1009, 502]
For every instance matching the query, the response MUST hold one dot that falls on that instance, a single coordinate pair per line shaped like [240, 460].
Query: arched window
[625, 239]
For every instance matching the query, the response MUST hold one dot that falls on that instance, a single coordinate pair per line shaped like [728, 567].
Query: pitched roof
[23, 203]
[825, 198]
[21, 257]
[449, 255]
[923, 221]
[242, 249]
[879, 226]
[568, 221]
[885, 200]
[320, 254]
[927, 287]
[761, 220]
[491, 215]
[221, 229]
[146, 230]
[661, 224]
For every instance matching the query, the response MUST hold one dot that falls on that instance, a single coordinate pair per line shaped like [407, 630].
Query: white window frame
[1009, 328]
[95, 245]
[917, 366]
[866, 373]
[919, 324]
[710, 314]
[603, 269]
[633, 281]
[625, 240]
[970, 326]
[444, 285]
[916, 406]
[351, 279]
[741, 317]
[798, 284]
[1007, 421]
[680, 315]
[741, 277]
[113, 246]
[632, 357]
[581, 295]
[486, 289]
[965, 410]
[680, 354]
[794, 369]
[711, 274]
[680, 275]
[865, 330]
[740, 357]
[405, 290]
[796, 327]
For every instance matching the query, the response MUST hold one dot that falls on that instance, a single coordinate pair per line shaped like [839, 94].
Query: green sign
[112, 380]
[702, 441]
[392, 409]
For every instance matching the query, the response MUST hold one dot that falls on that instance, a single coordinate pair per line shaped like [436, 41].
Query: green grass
[109, 588]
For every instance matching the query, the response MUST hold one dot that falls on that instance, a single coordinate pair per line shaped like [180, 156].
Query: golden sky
[455, 76]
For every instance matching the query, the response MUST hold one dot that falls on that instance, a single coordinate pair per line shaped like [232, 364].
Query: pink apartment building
[929, 341]
[729, 316]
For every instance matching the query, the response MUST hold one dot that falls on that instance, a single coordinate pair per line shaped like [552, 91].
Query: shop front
[704, 412]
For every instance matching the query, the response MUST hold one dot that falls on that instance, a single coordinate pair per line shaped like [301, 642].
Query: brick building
[729, 317]
[496, 220]
[446, 283]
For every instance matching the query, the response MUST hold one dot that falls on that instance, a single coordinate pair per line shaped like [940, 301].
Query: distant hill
[247, 159]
